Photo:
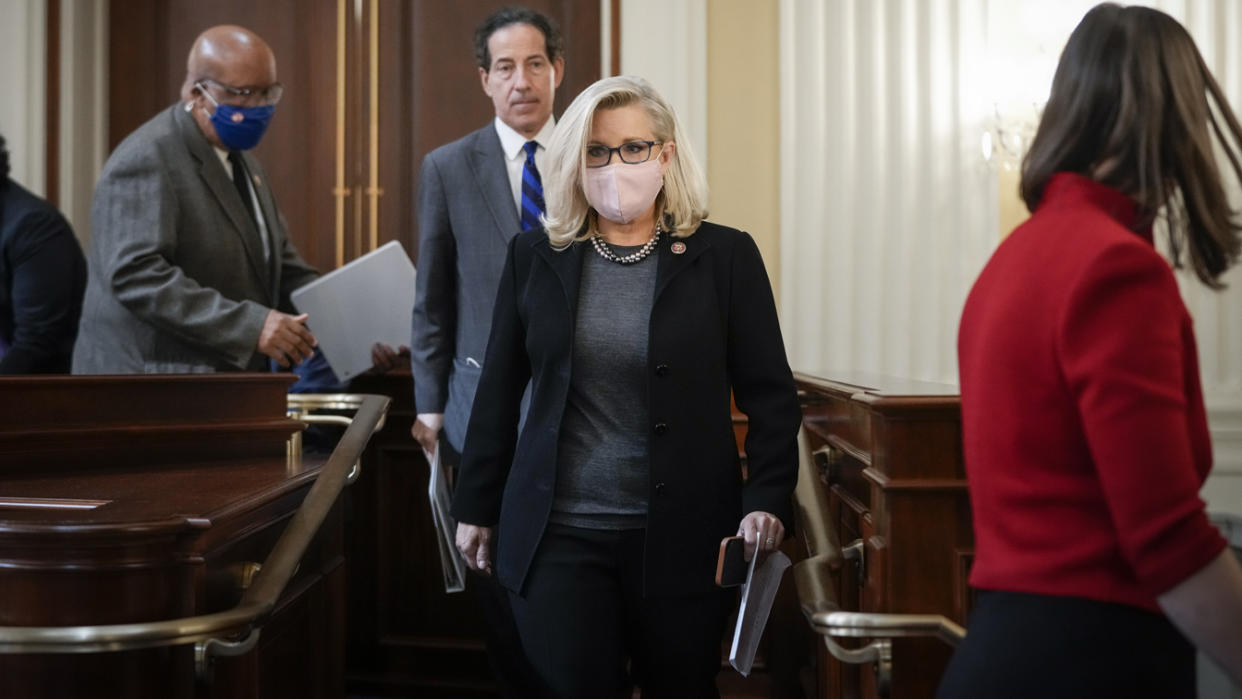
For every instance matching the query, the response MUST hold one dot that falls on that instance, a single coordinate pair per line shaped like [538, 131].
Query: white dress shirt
[512, 142]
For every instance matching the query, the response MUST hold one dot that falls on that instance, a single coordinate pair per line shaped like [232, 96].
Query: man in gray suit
[470, 203]
[190, 266]
[474, 195]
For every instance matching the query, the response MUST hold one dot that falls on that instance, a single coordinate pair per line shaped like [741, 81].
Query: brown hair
[1129, 108]
[553, 43]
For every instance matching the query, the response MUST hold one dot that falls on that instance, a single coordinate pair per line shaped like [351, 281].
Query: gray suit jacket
[466, 217]
[177, 280]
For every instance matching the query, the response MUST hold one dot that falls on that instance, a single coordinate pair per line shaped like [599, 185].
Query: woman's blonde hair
[569, 217]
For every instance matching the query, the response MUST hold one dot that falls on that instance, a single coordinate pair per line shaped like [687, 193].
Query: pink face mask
[620, 192]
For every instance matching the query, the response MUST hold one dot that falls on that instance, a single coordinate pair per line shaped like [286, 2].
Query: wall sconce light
[1024, 42]
[1008, 134]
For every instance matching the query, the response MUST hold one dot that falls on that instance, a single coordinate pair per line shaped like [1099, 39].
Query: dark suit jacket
[42, 277]
[466, 217]
[177, 277]
[713, 329]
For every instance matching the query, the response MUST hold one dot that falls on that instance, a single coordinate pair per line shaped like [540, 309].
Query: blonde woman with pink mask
[633, 320]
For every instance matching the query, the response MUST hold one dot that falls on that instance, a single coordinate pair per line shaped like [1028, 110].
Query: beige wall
[743, 121]
[1012, 209]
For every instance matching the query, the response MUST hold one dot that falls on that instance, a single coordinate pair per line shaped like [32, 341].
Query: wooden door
[149, 42]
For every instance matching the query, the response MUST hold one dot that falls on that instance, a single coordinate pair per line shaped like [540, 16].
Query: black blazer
[42, 279]
[713, 329]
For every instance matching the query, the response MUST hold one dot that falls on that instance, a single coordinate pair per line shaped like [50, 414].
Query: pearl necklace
[605, 252]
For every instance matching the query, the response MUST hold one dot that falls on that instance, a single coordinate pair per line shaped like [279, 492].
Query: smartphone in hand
[731, 565]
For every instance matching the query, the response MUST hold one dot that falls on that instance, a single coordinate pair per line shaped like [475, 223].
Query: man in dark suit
[474, 195]
[470, 203]
[190, 264]
[42, 278]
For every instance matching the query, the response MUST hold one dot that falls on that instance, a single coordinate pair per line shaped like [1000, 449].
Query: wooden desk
[133, 499]
[897, 489]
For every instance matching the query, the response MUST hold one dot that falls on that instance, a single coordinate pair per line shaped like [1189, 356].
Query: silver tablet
[369, 300]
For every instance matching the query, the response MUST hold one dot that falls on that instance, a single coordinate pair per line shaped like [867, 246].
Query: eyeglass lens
[633, 153]
[264, 96]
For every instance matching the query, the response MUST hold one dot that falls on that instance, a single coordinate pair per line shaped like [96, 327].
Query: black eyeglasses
[243, 96]
[631, 153]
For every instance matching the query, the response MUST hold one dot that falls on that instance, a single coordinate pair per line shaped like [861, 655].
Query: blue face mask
[240, 128]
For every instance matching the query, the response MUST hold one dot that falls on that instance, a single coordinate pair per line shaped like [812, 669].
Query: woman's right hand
[475, 545]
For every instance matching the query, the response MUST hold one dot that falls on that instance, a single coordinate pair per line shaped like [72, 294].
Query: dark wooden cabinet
[407, 636]
[897, 493]
[137, 499]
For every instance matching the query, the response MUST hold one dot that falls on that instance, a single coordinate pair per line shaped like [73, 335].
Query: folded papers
[451, 563]
[762, 581]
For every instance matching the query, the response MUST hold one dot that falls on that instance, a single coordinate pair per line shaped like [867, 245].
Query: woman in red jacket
[1085, 436]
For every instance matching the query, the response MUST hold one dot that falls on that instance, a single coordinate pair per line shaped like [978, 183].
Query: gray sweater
[603, 464]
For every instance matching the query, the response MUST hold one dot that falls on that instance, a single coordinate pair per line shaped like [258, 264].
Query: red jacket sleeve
[1127, 352]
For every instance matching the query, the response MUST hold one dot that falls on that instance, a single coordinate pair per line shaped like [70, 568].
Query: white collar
[223, 155]
[512, 142]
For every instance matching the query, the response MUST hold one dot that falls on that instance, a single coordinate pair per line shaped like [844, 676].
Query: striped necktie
[532, 189]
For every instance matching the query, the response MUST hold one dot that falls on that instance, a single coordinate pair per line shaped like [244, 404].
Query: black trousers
[514, 679]
[1039, 646]
[588, 631]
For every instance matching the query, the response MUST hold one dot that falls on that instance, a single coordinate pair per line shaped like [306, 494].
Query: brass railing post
[816, 576]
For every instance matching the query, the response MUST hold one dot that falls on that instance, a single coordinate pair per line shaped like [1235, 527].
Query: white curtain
[22, 86]
[888, 209]
[1217, 28]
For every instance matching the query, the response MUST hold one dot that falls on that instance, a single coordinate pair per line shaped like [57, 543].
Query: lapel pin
[678, 248]
[257, 181]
